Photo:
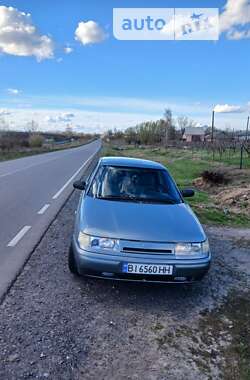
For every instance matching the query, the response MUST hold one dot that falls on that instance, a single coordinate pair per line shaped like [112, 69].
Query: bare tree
[184, 122]
[69, 130]
[32, 126]
[3, 125]
[169, 125]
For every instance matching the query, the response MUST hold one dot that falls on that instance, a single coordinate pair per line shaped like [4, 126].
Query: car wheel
[72, 262]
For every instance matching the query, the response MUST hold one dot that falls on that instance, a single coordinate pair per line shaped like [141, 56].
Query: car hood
[139, 221]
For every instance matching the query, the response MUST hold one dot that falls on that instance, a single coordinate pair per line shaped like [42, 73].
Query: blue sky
[118, 83]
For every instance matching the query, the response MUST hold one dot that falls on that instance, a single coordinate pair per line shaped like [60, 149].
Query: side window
[91, 175]
[96, 182]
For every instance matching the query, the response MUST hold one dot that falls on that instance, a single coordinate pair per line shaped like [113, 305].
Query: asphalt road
[32, 190]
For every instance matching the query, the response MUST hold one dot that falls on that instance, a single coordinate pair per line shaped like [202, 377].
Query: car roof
[130, 162]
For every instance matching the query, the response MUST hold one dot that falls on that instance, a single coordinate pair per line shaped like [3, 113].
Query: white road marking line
[71, 178]
[43, 209]
[19, 236]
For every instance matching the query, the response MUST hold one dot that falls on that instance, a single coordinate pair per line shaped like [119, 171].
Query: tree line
[163, 131]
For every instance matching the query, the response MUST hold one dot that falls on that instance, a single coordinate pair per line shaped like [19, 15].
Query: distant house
[226, 136]
[218, 136]
[194, 134]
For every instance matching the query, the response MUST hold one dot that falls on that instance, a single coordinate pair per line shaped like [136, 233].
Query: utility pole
[212, 134]
[247, 128]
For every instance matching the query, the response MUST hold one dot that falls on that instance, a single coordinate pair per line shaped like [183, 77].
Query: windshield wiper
[128, 198]
[157, 200]
[119, 197]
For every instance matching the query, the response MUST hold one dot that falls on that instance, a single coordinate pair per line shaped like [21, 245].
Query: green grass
[228, 158]
[199, 154]
[4, 156]
[214, 216]
[12, 155]
[177, 162]
[185, 166]
[184, 172]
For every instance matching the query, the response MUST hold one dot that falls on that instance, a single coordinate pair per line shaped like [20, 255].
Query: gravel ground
[55, 326]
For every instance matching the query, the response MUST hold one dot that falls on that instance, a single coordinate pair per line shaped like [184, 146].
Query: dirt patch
[236, 235]
[235, 198]
[230, 324]
[234, 177]
[202, 185]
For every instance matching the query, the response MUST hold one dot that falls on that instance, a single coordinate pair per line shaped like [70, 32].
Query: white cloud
[226, 108]
[14, 91]
[100, 120]
[235, 19]
[89, 33]
[85, 121]
[103, 113]
[4, 112]
[238, 34]
[68, 50]
[19, 36]
[62, 118]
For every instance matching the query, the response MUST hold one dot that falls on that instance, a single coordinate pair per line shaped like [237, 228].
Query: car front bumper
[109, 266]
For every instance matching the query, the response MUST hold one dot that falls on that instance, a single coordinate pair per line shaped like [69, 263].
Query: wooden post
[212, 134]
[247, 128]
[241, 155]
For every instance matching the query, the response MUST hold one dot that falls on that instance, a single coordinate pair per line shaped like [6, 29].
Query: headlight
[84, 240]
[87, 241]
[192, 249]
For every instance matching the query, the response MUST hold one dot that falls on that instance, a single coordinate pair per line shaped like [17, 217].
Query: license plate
[147, 269]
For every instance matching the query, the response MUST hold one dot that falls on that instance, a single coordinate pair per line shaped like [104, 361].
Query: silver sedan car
[133, 224]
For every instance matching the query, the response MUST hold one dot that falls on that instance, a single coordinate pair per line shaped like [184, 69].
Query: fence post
[247, 128]
[212, 132]
[241, 156]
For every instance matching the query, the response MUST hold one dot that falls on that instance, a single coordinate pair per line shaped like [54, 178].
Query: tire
[72, 262]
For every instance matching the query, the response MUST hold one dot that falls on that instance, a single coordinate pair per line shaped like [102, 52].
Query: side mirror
[187, 193]
[79, 185]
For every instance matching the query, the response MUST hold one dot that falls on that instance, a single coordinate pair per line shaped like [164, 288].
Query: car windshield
[134, 184]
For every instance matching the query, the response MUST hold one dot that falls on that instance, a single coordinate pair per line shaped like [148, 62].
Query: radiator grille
[146, 250]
